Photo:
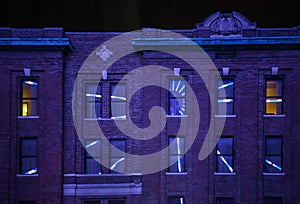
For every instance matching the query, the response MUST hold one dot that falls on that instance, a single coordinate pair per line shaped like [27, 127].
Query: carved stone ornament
[104, 53]
[225, 24]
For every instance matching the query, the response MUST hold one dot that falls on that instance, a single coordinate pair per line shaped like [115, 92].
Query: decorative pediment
[226, 24]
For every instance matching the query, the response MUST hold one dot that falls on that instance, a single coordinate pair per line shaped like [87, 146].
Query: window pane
[178, 166]
[273, 164]
[273, 146]
[120, 93]
[274, 200]
[29, 102]
[225, 106]
[225, 103]
[225, 155]
[30, 89]
[93, 99]
[92, 166]
[224, 201]
[175, 200]
[228, 86]
[177, 147]
[176, 97]
[274, 88]
[118, 109]
[273, 106]
[118, 101]
[28, 156]
[29, 165]
[225, 164]
[117, 160]
[28, 147]
[92, 202]
[225, 145]
[116, 202]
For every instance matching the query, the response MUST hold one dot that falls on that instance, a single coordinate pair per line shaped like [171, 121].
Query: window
[273, 200]
[176, 154]
[225, 160]
[116, 202]
[118, 101]
[225, 103]
[224, 201]
[177, 97]
[274, 98]
[273, 155]
[26, 202]
[93, 100]
[29, 99]
[28, 156]
[176, 200]
[104, 202]
[92, 163]
[117, 156]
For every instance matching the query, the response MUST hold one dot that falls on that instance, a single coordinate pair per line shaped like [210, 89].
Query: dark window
[93, 100]
[177, 97]
[176, 200]
[27, 202]
[225, 102]
[29, 99]
[104, 201]
[118, 101]
[116, 202]
[273, 155]
[92, 202]
[274, 98]
[117, 155]
[273, 200]
[225, 159]
[28, 156]
[176, 154]
[224, 201]
[92, 157]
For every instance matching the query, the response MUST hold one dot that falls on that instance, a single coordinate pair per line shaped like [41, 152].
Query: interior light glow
[181, 200]
[94, 95]
[119, 97]
[274, 100]
[177, 87]
[225, 100]
[116, 163]
[178, 153]
[31, 83]
[225, 162]
[92, 143]
[119, 117]
[31, 171]
[274, 165]
[225, 85]
[183, 87]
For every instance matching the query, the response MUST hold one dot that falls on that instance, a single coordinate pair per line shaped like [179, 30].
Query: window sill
[25, 175]
[225, 116]
[98, 175]
[28, 117]
[273, 174]
[176, 173]
[224, 174]
[94, 119]
[274, 116]
[176, 116]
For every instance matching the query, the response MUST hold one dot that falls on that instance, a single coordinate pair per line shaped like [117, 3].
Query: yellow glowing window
[274, 99]
[29, 97]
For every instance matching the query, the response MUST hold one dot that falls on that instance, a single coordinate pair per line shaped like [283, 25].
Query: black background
[128, 15]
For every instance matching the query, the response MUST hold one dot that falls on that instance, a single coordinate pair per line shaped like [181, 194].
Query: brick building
[255, 160]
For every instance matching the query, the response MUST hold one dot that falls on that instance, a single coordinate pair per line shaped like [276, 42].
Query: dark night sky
[128, 15]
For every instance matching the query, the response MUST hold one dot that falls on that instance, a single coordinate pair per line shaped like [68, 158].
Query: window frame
[232, 155]
[266, 155]
[22, 98]
[88, 156]
[267, 79]
[99, 102]
[182, 155]
[114, 157]
[21, 156]
[218, 97]
[111, 84]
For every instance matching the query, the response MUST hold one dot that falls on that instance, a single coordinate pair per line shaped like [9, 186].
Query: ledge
[99, 175]
[224, 174]
[25, 175]
[225, 116]
[273, 174]
[177, 116]
[176, 173]
[28, 117]
[36, 44]
[274, 116]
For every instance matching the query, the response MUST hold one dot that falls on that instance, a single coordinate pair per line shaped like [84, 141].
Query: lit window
[93, 100]
[176, 200]
[92, 157]
[225, 159]
[273, 200]
[225, 102]
[273, 160]
[177, 97]
[274, 99]
[176, 154]
[29, 100]
[224, 201]
[118, 101]
[28, 156]
[117, 156]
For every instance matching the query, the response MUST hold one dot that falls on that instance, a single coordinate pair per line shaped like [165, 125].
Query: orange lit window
[274, 99]
[29, 97]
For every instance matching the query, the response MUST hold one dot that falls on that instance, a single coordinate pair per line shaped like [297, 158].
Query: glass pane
[119, 144]
[225, 145]
[30, 89]
[177, 88]
[93, 92]
[92, 166]
[225, 164]
[91, 107]
[225, 106]
[178, 166]
[274, 88]
[224, 200]
[177, 148]
[118, 109]
[29, 165]
[273, 146]
[117, 164]
[116, 202]
[92, 202]
[274, 200]
[177, 106]
[273, 164]
[228, 86]
[118, 94]
[29, 147]
[29, 107]
[175, 200]
[274, 106]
